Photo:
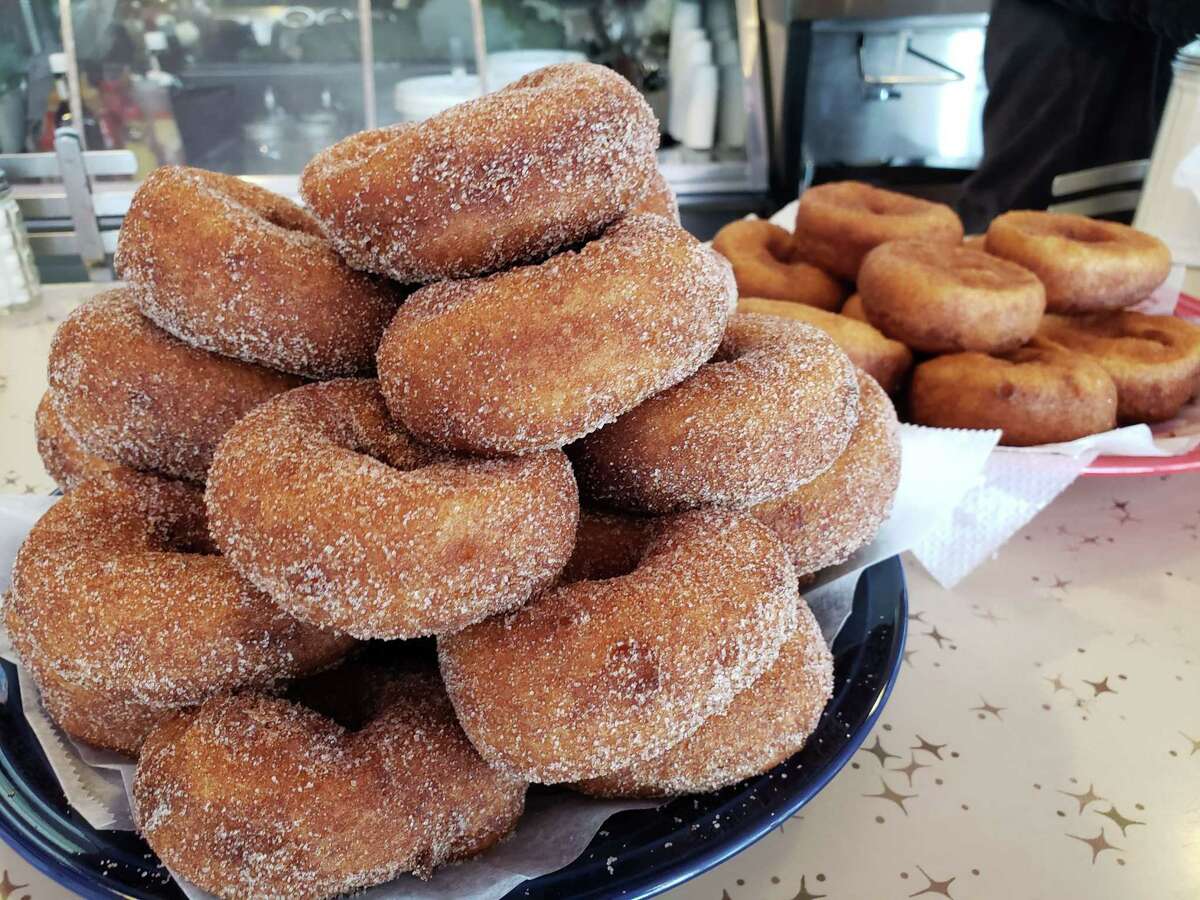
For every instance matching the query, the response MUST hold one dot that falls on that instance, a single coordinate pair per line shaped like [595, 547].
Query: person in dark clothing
[1072, 84]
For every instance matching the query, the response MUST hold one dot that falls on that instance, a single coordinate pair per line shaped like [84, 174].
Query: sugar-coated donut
[597, 675]
[228, 266]
[825, 521]
[975, 242]
[1041, 393]
[542, 164]
[838, 223]
[659, 199]
[773, 410]
[853, 309]
[938, 298]
[66, 460]
[327, 505]
[885, 360]
[136, 395]
[1154, 360]
[764, 725]
[253, 796]
[1087, 265]
[763, 264]
[123, 613]
[536, 357]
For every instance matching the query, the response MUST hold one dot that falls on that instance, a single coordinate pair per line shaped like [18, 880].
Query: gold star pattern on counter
[7, 888]
[804, 892]
[1058, 684]
[878, 752]
[934, 886]
[1099, 843]
[918, 616]
[936, 635]
[935, 749]
[908, 655]
[1195, 744]
[1100, 687]
[986, 709]
[911, 769]
[894, 796]
[1120, 820]
[1060, 583]
[1089, 796]
[989, 616]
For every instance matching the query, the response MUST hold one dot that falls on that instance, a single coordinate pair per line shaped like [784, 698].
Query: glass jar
[19, 283]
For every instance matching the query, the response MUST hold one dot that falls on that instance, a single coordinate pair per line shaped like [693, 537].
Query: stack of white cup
[704, 80]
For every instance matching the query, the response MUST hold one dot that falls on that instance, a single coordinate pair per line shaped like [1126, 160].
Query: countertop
[1043, 740]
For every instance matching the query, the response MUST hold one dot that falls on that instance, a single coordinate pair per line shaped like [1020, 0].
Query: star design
[1057, 683]
[937, 636]
[918, 616]
[878, 752]
[990, 616]
[804, 894]
[1100, 687]
[10, 479]
[894, 796]
[1098, 844]
[1120, 504]
[1060, 584]
[908, 655]
[911, 769]
[7, 888]
[1090, 796]
[1062, 529]
[1126, 517]
[1195, 744]
[1139, 639]
[935, 749]
[934, 887]
[988, 710]
[1090, 539]
[1119, 819]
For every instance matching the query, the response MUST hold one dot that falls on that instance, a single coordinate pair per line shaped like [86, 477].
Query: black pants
[1066, 91]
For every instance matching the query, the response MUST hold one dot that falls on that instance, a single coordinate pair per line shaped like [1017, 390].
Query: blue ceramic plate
[637, 854]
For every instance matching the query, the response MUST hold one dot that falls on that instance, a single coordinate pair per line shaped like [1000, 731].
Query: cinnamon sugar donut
[253, 796]
[235, 269]
[938, 298]
[135, 395]
[773, 410]
[323, 502]
[66, 460]
[1087, 265]
[764, 725]
[853, 309]
[1038, 394]
[659, 199]
[123, 613]
[764, 266]
[838, 223]
[598, 675]
[1154, 360]
[975, 242]
[824, 522]
[536, 357]
[885, 360]
[542, 164]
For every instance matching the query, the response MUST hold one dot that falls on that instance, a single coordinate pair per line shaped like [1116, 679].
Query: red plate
[1115, 466]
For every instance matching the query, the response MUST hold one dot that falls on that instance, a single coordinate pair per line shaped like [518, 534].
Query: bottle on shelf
[19, 284]
[58, 109]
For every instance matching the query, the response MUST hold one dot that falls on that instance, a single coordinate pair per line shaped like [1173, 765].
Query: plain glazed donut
[659, 199]
[1038, 394]
[761, 256]
[537, 357]
[138, 396]
[323, 502]
[1154, 360]
[825, 521]
[66, 460]
[542, 164]
[123, 613]
[1087, 265]
[773, 410]
[937, 298]
[885, 360]
[839, 223]
[853, 309]
[598, 675]
[764, 725]
[253, 796]
[235, 269]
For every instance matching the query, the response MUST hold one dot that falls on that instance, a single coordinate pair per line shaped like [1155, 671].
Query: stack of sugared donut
[1024, 329]
[563, 456]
